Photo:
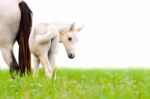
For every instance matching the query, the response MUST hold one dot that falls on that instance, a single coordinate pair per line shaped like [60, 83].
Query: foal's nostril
[71, 56]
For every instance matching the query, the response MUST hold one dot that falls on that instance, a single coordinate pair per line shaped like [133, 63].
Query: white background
[116, 33]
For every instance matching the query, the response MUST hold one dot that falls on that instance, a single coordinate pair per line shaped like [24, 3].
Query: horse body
[9, 22]
[13, 28]
[43, 44]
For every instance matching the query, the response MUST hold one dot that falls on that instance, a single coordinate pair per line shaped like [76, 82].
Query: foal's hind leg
[10, 60]
[36, 65]
[52, 53]
[46, 64]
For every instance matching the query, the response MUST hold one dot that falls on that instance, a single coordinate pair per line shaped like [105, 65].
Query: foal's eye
[69, 39]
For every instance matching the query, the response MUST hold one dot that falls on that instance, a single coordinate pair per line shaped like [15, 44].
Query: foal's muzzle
[71, 56]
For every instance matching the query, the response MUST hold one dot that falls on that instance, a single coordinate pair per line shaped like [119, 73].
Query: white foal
[44, 40]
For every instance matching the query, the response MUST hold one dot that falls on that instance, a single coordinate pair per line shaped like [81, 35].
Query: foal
[44, 40]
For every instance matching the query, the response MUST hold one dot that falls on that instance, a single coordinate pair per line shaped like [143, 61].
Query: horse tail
[23, 37]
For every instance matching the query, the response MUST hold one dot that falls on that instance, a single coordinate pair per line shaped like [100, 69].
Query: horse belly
[6, 42]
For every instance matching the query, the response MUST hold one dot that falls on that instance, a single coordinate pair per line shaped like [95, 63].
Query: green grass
[78, 84]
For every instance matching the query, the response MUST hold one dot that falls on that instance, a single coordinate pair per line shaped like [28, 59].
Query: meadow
[78, 84]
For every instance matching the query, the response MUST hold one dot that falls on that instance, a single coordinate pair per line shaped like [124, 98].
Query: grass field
[78, 84]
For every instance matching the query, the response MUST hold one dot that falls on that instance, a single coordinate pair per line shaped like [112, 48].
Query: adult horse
[15, 25]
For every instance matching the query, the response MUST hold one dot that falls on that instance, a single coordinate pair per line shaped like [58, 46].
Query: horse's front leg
[10, 60]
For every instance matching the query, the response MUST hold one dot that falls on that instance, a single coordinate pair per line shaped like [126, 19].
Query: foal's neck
[61, 34]
[62, 28]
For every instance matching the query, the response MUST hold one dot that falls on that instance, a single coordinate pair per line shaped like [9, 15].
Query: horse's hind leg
[10, 60]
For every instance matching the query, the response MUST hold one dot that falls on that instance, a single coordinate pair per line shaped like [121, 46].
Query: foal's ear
[72, 26]
[80, 28]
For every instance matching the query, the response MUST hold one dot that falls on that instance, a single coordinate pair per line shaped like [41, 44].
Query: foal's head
[68, 37]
